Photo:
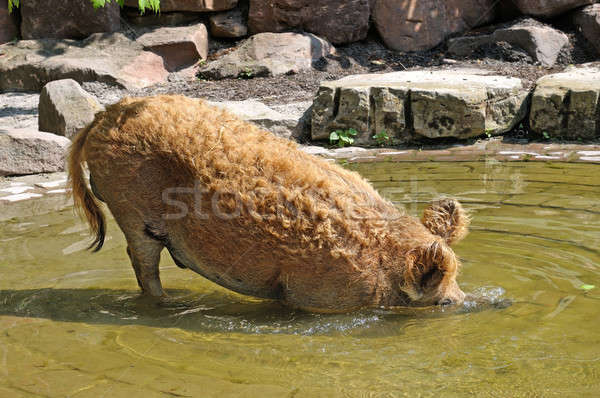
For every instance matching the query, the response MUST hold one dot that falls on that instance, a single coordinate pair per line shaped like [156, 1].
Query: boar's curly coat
[255, 214]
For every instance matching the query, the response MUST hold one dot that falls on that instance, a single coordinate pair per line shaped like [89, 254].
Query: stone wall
[403, 25]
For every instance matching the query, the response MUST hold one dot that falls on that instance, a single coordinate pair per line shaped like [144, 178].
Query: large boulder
[587, 20]
[269, 54]
[567, 104]
[28, 151]
[408, 25]
[190, 5]
[65, 108]
[338, 21]
[458, 103]
[67, 19]
[179, 46]
[229, 25]
[548, 8]
[542, 42]
[113, 59]
[8, 24]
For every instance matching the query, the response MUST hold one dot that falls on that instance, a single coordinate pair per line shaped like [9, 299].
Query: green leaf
[12, 4]
[352, 132]
[334, 136]
[587, 287]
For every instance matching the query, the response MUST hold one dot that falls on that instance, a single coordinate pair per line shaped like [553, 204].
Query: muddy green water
[72, 323]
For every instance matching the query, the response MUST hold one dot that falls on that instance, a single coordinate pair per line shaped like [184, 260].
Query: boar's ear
[446, 218]
[426, 268]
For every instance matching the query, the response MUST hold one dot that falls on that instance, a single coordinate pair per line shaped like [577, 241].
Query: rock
[65, 108]
[548, 8]
[408, 25]
[542, 42]
[567, 104]
[269, 54]
[190, 5]
[338, 21]
[230, 25]
[106, 58]
[67, 19]
[28, 151]
[8, 24]
[459, 103]
[179, 47]
[286, 122]
[587, 21]
[134, 17]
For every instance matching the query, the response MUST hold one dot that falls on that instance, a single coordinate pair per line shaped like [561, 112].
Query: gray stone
[567, 104]
[179, 46]
[107, 58]
[190, 5]
[408, 25]
[269, 54]
[67, 19]
[542, 42]
[587, 20]
[548, 8]
[229, 25]
[458, 103]
[65, 108]
[28, 151]
[338, 21]
[8, 24]
[287, 121]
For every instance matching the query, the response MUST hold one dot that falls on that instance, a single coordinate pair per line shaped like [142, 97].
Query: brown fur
[308, 232]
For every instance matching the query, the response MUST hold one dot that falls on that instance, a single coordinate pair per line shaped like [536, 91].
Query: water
[72, 323]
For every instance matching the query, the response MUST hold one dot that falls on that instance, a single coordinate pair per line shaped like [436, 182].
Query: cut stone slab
[409, 25]
[587, 20]
[67, 19]
[9, 29]
[113, 59]
[269, 54]
[548, 8]
[567, 104]
[65, 108]
[542, 42]
[338, 21]
[190, 5]
[459, 103]
[229, 25]
[179, 47]
[28, 151]
[288, 121]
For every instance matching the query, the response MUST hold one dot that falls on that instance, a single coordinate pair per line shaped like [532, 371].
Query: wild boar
[255, 214]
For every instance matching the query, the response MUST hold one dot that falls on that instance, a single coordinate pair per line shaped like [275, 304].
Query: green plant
[153, 5]
[342, 137]
[247, 73]
[488, 132]
[381, 138]
[546, 135]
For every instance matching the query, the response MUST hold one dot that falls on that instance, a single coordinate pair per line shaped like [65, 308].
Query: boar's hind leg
[144, 253]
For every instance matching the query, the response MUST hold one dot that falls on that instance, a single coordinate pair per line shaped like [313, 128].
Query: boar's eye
[431, 278]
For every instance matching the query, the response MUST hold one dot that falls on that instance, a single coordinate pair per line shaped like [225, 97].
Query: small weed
[546, 135]
[342, 137]
[246, 74]
[488, 133]
[382, 138]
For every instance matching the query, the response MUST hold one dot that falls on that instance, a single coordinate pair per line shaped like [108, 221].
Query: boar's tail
[448, 219]
[86, 204]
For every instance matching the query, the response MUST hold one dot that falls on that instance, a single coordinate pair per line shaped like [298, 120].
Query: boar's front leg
[144, 253]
